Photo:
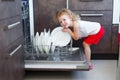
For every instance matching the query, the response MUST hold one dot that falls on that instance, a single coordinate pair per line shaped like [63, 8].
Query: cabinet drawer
[14, 46]
[103, 17]
[9, 9]
[13, 32]
[10, 30]
[91, 5]
[16, 63]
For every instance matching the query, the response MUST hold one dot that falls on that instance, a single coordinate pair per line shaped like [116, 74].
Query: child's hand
[65, 29]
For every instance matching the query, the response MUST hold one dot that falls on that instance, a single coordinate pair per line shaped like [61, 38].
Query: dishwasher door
[72, 59]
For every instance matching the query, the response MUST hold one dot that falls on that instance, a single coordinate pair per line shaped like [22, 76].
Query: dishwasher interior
[64, 58]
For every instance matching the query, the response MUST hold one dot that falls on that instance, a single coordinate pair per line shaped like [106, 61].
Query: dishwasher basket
[46, 52]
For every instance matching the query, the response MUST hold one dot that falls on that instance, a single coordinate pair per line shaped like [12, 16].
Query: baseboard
[105, 56]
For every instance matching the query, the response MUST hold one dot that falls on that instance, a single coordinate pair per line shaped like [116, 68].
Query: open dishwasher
[54, 57]
[60, 59]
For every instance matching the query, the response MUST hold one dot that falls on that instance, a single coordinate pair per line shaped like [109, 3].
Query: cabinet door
[90, 4]
[10, 30]
[9, 9]
[14, 31]
[44, 13]
[4, 75]
[11, 56]
[16, 64]
[4, 69]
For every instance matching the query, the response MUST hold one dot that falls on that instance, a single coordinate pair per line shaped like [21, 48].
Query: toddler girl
[92, 32]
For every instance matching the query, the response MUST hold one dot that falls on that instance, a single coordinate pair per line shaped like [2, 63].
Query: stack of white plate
[47, 40]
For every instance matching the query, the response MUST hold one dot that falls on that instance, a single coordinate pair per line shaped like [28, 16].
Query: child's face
[65, 21]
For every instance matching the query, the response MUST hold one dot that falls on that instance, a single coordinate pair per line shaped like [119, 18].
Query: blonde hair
[68, 12]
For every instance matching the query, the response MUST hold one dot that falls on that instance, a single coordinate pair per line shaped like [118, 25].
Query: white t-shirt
[88, 28]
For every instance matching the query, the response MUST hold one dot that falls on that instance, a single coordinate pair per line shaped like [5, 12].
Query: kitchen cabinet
[9, 9]
[11, 40]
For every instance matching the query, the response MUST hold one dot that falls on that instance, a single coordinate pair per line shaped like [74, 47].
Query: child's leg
[87, 51]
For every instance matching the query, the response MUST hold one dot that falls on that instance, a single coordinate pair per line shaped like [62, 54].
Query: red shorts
[94, 39]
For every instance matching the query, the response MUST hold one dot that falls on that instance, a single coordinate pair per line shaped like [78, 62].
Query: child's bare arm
[74, 33]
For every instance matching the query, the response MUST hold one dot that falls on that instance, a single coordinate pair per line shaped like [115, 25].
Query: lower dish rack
[56, 58]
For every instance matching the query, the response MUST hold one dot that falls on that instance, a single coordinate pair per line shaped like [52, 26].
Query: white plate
[46, 42]
[35, 42]
[60, 38]
[40, 47]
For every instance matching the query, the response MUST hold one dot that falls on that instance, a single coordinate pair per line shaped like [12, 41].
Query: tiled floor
[102, 70]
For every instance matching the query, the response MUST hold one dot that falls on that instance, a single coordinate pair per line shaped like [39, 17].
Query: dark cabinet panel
[4, 69]
[91, 5]
[2, 37]
[109, 43]
[14, 33]
[4, 75]
[105, 45]
[44, 13]
[11, 59]
[11, 39]
[16, 64]
[11, 29]
[115, 46]
[102, 17]
[10, 9]
[14, 44]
